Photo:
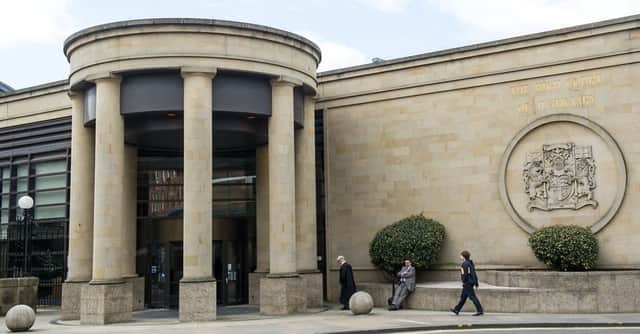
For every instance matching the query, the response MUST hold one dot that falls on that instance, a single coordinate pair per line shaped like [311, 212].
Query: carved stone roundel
[562, 169]
[560, 176]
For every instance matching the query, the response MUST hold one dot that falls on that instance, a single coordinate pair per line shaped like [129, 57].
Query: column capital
[103, 76]
[73, 94]
[202, 71]
[311, 96]
[286, 80]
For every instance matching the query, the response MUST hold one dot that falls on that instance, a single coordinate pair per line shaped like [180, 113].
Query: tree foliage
[416, 238]
[565, 247]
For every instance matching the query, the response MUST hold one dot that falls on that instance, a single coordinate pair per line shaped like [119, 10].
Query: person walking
[469, 281]
[407, 284]
[347, 283]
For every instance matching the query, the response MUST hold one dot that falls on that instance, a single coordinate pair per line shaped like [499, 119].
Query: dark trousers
[468, 292]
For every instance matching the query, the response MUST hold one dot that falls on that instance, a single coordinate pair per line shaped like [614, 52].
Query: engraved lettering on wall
[560, 176]
[578, 100]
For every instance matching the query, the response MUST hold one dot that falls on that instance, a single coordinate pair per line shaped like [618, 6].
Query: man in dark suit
[347, 283]
[469, 281]
[407, 284]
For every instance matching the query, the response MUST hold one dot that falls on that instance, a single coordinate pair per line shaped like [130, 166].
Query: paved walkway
[326, 321]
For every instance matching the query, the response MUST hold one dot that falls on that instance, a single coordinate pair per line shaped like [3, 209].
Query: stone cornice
[188, 22]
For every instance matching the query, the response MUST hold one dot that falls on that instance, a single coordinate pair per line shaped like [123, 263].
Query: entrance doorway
[160, 228]
[165, 271]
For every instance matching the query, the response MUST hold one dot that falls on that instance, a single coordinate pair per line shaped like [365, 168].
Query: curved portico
[217, 86]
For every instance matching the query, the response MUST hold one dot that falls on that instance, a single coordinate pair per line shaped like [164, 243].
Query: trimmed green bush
[416, 238]
[565, 247]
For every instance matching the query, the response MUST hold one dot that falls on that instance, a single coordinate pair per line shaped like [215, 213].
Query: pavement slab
[329, 320]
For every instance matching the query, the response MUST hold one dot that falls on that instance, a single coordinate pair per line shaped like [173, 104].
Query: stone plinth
[313, 288]
[529, 292]
[197, 300]
[102, 304]
[21, 290]
[70, 306]
[254, 287]
[282, 295]
[137, 289]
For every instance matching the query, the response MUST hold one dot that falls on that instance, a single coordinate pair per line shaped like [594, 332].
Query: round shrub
[416, 238]
[565, 247]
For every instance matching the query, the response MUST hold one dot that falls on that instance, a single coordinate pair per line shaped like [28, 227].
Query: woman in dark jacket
[347, 283]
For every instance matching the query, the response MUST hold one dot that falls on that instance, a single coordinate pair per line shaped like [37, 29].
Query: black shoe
[393, 307]
[344, 308]
[454, 311]
[477, 314]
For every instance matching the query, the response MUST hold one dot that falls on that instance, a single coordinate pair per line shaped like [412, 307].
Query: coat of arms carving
[561, 176]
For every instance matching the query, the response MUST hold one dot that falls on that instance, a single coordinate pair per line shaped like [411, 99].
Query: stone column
[107, 298]
[281, 292]
[129, 218]
[198, 287]
[262, 224]
[80, 210]
[306, 234]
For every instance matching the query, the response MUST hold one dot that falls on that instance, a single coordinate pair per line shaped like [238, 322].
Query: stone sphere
[20, 318]
[361, 303]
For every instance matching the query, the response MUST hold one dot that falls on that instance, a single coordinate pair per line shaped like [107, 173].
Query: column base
[70, 303]
[197, 300]
[254, 286]
[105, 303]
[282, 295]
[313, 288]
[137, 288]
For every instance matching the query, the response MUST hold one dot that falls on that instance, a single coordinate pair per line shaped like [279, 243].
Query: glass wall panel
[45, 178]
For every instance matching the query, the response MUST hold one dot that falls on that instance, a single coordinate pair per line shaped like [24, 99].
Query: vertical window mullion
[13, 201]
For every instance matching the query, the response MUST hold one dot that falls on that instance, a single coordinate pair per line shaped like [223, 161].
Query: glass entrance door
[230, 271]
[165, 272]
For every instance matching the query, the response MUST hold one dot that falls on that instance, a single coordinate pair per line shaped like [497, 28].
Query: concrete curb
[492, 326]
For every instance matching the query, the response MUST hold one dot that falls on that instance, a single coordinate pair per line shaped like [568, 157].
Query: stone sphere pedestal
[20, 318]
[361, 303]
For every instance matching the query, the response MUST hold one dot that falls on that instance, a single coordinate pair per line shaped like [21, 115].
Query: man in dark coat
[347, 283]
[469, 281]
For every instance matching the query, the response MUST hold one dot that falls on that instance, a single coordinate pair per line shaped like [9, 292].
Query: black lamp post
[26, 204]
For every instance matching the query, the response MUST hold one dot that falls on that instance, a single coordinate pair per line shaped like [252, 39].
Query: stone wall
[432, 134]
[14, 291]
[35, 104]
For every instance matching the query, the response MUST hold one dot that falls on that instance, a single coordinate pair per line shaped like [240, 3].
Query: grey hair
[340, 258]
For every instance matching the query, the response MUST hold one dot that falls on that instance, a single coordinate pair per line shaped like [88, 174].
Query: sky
[349, 32]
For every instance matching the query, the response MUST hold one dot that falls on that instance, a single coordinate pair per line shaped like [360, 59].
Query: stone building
[187, 163]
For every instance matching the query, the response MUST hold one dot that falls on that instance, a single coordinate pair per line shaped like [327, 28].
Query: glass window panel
[5, 201]
[51, 197]
[23, 184]
[51, 167]
[50, 212]
[4, 216]
[6, 172]
[50, 182]
[23, 170]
